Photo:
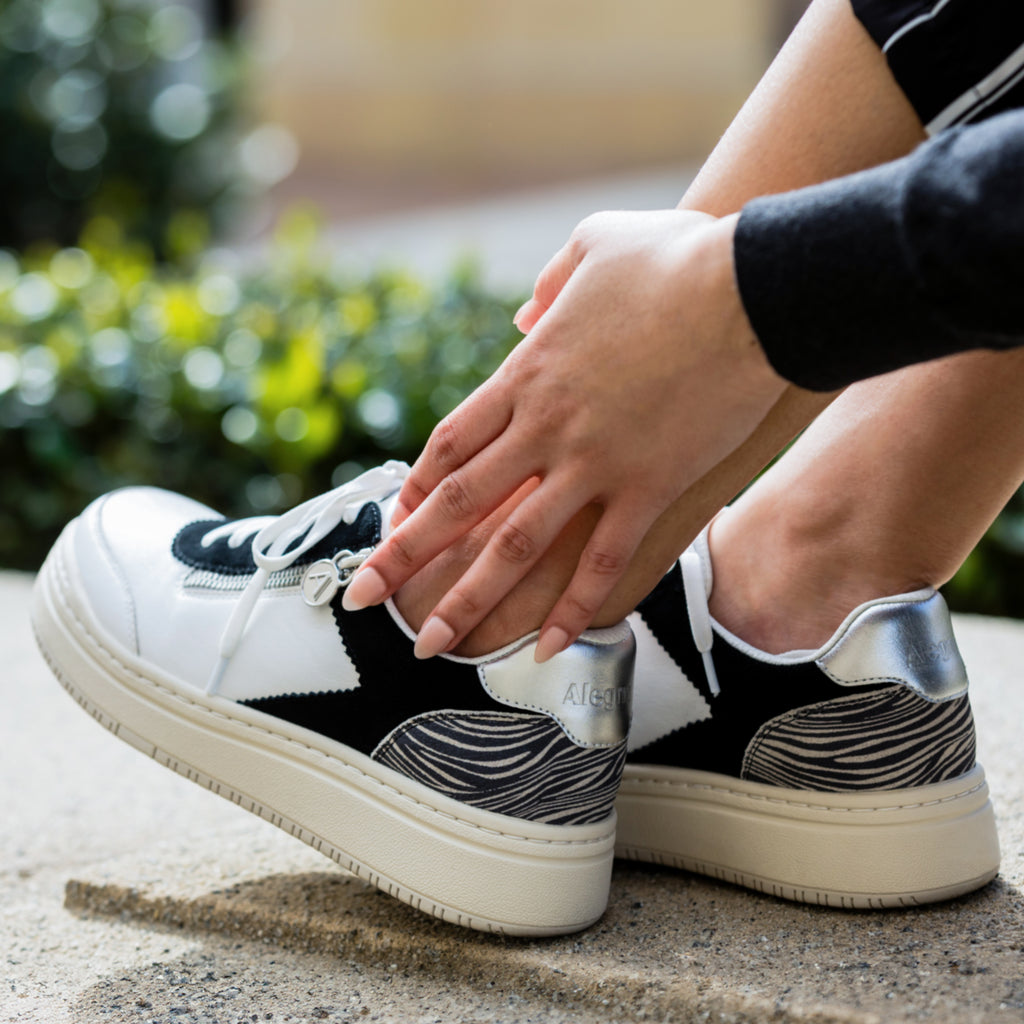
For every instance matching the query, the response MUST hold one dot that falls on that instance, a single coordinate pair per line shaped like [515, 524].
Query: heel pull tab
[902, 641]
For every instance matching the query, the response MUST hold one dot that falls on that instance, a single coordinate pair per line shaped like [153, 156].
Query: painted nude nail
[552, 641]
[434, 637]
[519, 312]
[367, 587]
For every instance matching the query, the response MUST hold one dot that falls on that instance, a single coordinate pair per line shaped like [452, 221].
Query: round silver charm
[320, 582]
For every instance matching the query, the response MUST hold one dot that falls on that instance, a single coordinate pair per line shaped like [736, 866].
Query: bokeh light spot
[70, 21]
[203, 368]
[269, 154]
[379, 410]
[242, 347]
[10, 270]
[175, 32]
[239, 424]
[218, 294]
[292, 424]
[10, 371]
[77, 98]
[181, 111]
[38, 375]
[34, 297]
[79, 149]
[264, 492]
[110, 347]
[71, 268]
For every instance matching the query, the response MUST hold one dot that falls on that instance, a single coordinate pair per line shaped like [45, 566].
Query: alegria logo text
[581, 694]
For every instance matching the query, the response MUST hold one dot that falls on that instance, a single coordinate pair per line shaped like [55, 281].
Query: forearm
[827, 106]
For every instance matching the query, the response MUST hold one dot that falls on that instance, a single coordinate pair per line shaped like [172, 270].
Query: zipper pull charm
[325, 577]
[320, 582]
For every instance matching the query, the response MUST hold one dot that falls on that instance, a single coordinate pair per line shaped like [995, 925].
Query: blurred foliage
[991, 581]
[252, 385]
[249, 386]
[126, 107]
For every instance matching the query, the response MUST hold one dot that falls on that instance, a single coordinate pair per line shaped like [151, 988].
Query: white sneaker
[479, 790]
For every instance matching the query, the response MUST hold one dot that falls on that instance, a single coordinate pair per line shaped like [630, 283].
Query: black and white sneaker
[479, 790]
[844, 776]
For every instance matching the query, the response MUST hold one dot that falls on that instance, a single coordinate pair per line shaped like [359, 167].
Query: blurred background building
[397, 101]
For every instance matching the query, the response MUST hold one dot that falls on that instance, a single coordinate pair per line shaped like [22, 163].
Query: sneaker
[844, 776]
[479, 790]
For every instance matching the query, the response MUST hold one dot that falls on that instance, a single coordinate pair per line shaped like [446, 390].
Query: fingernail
[367, 587]
[552, 641]
[398, 515]
[434, 637]
[521, 311]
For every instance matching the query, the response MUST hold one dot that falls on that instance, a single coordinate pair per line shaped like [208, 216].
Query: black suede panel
[220, 557]
[394, 685]
[753, 692]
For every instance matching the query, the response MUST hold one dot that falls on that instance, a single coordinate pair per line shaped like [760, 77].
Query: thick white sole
[857, 850]
[466, 866]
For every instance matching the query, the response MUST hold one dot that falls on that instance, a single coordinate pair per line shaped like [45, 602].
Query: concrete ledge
[178, 907]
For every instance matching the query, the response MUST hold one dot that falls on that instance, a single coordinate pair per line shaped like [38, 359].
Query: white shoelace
[700, 616]
[311, 521]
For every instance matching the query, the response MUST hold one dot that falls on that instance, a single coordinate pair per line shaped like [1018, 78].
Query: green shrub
[248, 387]
[252, 387]
[123, 106]
[991, 580]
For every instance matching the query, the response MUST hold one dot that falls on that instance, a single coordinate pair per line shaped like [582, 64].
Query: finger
[548, 286]
[512, 551]
[552, 279]
[453, 442]
[602, 565]
[462, 500]
[529, 313]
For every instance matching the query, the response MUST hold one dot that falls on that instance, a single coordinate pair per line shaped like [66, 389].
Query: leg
[827, 106]
[887, 492]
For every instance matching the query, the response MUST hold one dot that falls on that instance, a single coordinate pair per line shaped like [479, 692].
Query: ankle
[793, 592]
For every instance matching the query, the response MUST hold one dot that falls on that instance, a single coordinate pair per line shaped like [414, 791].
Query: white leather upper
[136, 588]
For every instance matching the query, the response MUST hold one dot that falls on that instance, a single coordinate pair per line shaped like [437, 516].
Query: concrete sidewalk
[130, 894]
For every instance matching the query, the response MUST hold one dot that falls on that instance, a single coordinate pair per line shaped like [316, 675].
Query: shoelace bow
[699, 613]
[303, 526]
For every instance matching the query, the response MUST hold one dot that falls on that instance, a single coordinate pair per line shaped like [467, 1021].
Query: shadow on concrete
[672, 946]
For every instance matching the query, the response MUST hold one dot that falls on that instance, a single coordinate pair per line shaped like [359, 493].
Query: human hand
[639, 373]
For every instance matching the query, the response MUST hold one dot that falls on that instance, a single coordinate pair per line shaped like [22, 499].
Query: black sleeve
[906, 262]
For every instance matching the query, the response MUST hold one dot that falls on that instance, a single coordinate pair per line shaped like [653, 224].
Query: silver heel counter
[587, 689]
[902, 641]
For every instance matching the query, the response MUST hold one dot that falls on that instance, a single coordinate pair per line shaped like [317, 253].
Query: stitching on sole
[629, 783]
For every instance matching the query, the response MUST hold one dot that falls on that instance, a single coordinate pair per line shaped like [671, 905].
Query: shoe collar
[698, 582]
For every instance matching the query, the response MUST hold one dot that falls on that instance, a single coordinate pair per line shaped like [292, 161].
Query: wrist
[726, 317]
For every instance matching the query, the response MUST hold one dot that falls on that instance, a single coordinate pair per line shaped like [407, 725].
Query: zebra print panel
[512, 763]
[888, 739]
